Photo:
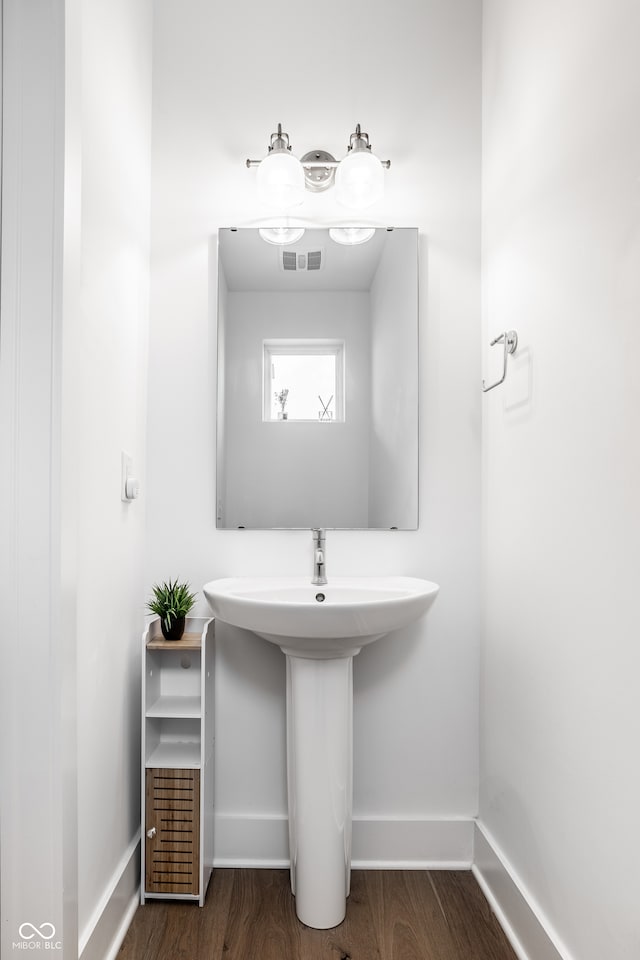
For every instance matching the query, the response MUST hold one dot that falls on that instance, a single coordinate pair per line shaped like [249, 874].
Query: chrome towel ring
[510, 340]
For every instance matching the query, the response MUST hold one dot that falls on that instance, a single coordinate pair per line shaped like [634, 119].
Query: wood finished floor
[391, 915]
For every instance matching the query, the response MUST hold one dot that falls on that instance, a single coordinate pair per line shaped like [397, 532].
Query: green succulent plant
[170, 601]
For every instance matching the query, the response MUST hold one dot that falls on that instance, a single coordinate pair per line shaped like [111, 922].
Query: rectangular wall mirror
[317, 420]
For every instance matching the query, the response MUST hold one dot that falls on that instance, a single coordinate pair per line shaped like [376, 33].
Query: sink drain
[320, 597]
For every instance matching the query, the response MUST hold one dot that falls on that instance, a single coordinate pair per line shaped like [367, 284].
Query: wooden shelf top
[188, 641]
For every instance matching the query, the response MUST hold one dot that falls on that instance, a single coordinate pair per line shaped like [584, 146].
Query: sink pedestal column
[319, 780]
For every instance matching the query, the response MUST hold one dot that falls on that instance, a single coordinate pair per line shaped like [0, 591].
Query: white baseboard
[391, 843]
[378, 843]
[525, 926]
[251, 840]
[103, 934]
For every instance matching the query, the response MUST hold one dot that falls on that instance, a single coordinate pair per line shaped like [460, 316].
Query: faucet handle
[318, 533]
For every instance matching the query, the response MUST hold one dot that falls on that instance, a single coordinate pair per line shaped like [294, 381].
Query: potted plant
[172, 602]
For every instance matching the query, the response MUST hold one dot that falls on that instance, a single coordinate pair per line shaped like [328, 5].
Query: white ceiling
[251, 264]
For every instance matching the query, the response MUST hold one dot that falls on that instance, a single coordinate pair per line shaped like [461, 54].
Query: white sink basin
[320, 622]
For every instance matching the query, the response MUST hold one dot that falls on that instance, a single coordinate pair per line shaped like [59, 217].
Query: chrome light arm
[510, 340]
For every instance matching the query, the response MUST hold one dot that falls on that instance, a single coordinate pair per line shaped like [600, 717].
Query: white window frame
[306, 348]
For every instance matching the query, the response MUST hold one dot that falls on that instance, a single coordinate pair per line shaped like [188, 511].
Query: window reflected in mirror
[304, 380]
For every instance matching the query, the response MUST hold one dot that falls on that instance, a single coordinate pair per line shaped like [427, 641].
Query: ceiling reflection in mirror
[317, 421]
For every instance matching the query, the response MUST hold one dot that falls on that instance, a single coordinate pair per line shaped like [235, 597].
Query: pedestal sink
[320, 629]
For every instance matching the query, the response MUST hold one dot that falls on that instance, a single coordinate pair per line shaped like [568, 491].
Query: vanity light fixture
[282, 178]
[350, 236]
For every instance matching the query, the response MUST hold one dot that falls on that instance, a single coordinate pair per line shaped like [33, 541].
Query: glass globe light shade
[359, 179]
[280, 180]
[281, 235]
[350, 236]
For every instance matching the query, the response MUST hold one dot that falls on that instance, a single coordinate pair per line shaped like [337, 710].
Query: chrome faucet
[319, 553]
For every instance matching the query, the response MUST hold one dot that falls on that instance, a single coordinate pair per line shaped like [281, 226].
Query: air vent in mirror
[301, 262]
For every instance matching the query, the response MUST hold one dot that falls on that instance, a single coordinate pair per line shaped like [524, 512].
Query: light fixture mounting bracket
[317, 176]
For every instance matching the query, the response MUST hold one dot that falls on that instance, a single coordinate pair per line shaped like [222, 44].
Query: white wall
[111, 399]
[76, 161]
[560, 786]
[415, 87]
[295, 474]
[38, 873]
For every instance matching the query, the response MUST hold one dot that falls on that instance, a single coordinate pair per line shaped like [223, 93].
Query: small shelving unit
[177, 768]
